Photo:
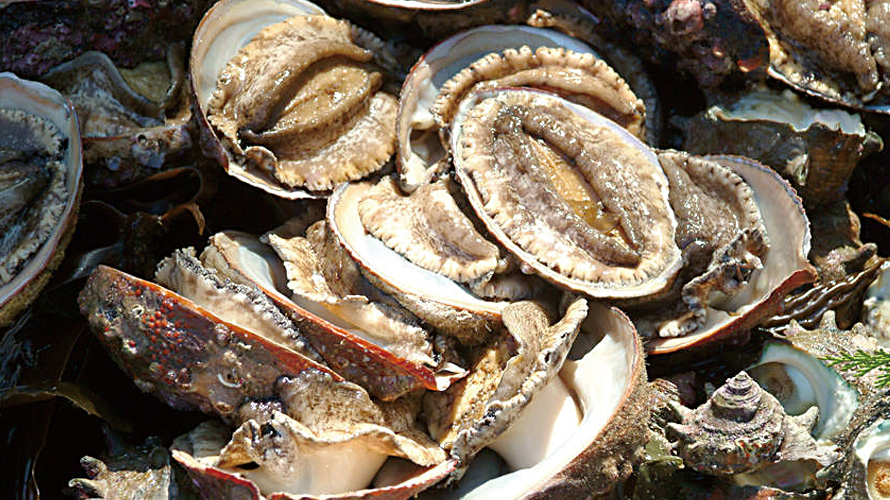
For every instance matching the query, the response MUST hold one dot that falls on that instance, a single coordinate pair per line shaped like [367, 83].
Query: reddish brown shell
[176, 349]
[385, 375]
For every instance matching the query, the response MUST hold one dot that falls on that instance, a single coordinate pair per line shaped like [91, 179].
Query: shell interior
[417, 153]
[390, 266]
[799, 381]
[785, 265]
[602, 373]
[225, 28]
[38, 99]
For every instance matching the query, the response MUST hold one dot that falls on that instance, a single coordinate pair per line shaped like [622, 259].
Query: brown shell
[739, 429]
[428, 20]
[818, 159]
[385, 375]
[176, 349]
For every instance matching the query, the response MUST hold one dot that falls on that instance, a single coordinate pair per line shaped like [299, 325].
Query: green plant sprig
[862, 362]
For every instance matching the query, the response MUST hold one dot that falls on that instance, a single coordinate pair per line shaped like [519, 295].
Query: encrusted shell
[171, 346]
[130, 123]
[38, 118]
[816, 150]
[243, 258]
[742, 429]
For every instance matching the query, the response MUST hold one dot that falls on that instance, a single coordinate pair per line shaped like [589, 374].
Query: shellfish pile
[387, 249]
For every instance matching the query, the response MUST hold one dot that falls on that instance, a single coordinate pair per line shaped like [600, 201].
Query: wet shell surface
[40, 184]
[435, 297]
[251, 117]
[180, 351]
[567, 192]
[484, 56]
[605, 374]
[131, 119]
[244, 259]
[837, 52]
[784, 267]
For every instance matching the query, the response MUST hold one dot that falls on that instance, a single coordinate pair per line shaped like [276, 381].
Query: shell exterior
[737, 430]
[187, 356]
[866, 471]
[876, 314]
[743, 431]
[801, 380]
[244, 259]
[42, 251]
[126, 132]
[602, 450]
[428, 19]
[816, 150]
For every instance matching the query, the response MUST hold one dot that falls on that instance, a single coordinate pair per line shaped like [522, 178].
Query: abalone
[40, 184]
[571, 194]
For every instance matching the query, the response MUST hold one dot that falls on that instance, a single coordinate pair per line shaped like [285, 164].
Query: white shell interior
[814, 385]
[785, 265]
[230, 25]
[390, 266]
[601, 377]
[38, 99]
[438, 66]
[225, 28]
